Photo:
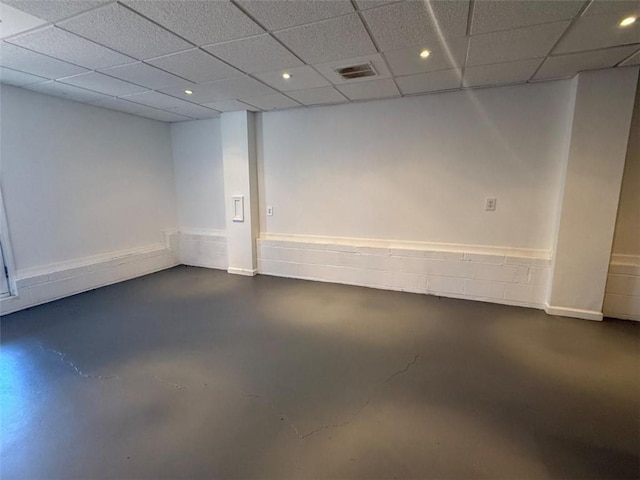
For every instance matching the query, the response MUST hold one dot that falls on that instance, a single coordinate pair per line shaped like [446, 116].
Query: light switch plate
[238, 208]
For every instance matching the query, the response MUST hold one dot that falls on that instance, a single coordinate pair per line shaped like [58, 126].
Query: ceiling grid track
[503, 50]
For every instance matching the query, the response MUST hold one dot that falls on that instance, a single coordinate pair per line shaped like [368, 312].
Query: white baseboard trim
[574, 313]
[204, 248]
[502, 276]
[35, 287]
[242, 271]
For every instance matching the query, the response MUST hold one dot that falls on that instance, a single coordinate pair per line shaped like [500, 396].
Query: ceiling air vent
[356, 71]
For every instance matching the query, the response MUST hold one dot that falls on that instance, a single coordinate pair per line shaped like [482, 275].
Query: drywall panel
[627, 235]
[197, 156]
[80, 181]
[419, 168]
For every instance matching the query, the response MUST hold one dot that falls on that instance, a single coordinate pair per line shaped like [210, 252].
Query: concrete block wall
[622, 293]
[35, 287]
[204, 248]
[507, 277]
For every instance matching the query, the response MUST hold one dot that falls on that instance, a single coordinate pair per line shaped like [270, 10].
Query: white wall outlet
[490, 204]
[269, 210]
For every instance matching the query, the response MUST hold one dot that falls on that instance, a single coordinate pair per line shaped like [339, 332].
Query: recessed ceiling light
[425, 53]
[625, 22]
[188, 92]
[286, 76]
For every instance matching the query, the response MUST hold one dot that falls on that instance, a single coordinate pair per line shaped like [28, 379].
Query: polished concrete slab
[194, 373]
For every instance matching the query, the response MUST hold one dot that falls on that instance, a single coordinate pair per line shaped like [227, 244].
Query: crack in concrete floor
[63, 359]
[268, 401]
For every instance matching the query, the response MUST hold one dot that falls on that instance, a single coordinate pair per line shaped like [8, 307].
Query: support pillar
[596, 156]
[241, 190]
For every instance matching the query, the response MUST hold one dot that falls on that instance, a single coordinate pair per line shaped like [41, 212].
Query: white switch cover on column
[238, 208]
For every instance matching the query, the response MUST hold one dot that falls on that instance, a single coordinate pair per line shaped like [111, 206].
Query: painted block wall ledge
[596, 156]
[622, 294]
[204, 248]
[491, 274]
[52, 282]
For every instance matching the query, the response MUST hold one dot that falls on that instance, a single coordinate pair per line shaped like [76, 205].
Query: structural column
[241, 190]
[597, 148]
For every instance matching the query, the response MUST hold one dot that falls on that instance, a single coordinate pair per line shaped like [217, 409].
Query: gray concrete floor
[194, 373]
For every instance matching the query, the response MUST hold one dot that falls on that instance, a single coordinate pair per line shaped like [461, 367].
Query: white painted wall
[419, 168]
[197, 156]
[622, 297]
[627, 236]
[81, 181]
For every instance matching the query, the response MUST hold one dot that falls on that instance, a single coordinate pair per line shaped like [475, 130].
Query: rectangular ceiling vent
[356, 71]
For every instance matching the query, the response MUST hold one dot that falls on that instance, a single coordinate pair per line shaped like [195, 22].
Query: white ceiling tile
[328, 70]
[163, 116]
[172, 104]
[18, 79]
[271, 102]
[147, 76]
[430, 82]
[495, 15]
[364, 4]
[27, 61]
[301, 78]
[103, 84]
[202, 22]
[407, 60]
[119, 104]
[318, 96]
[598, 31]
[139, 110]
[416, 22]
[384, 88]
[333, 39]
[71, 48]
[69, 92]
[512, 45]
[231, 106]
[634, 60]
[276, 15]
[54, 10]
[194, 111]
[500, 73]
[195, 65]
[255, 54]
[606, 7]
[561, 66]
[155, 99]
[197, 112]
[230, 89]
[119, 28]
[15, 21]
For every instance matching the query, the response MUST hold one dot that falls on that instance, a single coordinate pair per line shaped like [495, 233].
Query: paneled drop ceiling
[140, 56]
